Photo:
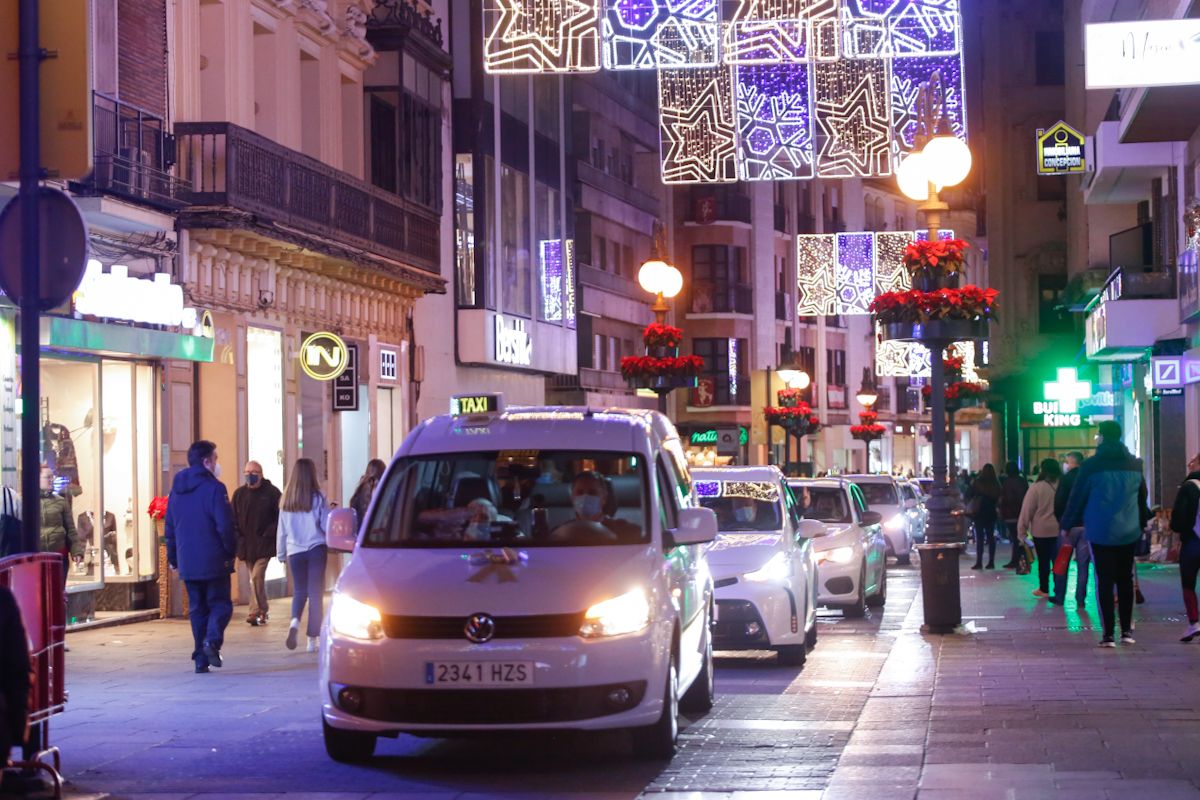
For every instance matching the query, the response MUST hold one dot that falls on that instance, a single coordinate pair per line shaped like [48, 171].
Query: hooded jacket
[256, 515]
[201, 541]
[1187, 503]
[1109, 497]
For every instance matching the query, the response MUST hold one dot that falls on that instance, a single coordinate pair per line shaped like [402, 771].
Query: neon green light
[1068, 390]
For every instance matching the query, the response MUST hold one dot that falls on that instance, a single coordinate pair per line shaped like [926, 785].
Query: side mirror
[910, 504]
[696, 526]
[341, 530]
[811, 529]
[872, 518]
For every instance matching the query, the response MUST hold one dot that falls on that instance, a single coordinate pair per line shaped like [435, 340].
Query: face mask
[744, 514]
[587, 505]
[252, 480]
[216, 470]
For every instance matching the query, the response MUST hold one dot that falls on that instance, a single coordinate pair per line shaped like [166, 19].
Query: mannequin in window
[86, 524]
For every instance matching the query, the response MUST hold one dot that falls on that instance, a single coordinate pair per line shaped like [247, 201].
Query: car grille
[494, 706]
[523, 627]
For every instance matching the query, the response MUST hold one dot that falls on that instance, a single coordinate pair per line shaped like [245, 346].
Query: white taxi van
[528, 568]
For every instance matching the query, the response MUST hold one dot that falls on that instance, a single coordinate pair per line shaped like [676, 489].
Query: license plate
[479, 673]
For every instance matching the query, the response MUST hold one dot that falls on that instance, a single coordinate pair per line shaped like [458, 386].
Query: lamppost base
[940, 588]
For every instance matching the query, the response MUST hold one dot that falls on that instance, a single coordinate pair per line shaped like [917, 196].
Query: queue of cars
[563, 568]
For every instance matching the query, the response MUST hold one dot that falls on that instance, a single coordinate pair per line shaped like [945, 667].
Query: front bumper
[838, 584]
[752, 615]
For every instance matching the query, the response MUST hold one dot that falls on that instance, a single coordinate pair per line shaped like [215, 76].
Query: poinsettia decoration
[789, 398]
[799, 419]
[953, 365]
[940, 255]
[658, 335]
[158, 508]
[869, 430]
[959, 390]
[645, 367]
[969, 303]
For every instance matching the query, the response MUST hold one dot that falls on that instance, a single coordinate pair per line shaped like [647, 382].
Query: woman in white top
[1038, 519]
[301, 545]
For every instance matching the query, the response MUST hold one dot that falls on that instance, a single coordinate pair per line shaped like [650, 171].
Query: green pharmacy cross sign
[1068, 390]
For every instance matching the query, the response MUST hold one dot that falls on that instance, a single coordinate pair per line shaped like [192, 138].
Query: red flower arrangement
[656, 335]
[953, 364]
[966, 303]
[944, 255]
[789, 398]
[959, 390]
[158, 508]
[869, 430]
[643, 367]
[788, 414]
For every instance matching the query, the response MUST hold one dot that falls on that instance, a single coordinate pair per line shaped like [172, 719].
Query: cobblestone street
[1026, 707]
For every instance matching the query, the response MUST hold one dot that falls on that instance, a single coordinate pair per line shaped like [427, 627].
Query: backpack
[10, 524]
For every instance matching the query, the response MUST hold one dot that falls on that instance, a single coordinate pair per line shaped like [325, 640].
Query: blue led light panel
[657, 34]
[816, 278]
[896, 28]
[539, 36]
[774, 126]
[782, 32]
[855, 272]
[853, 118]
[907, 76]
[699, 129]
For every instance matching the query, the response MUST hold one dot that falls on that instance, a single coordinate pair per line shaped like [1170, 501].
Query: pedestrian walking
[1183, 522]
[1012, 496]
[58, 524]
[301, 545]
[256, 516]
[1109, 500]
[14, 676]
[982, 504]
[360, 501]
[202, 546]
[1073, 540]
[1037, 520]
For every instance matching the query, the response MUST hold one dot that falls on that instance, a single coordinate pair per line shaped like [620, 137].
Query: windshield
[524, 497]
[827, 504]
[879, 494]
[742, 506]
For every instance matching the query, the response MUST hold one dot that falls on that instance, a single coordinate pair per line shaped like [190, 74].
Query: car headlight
[895, 523]
[349, 617]
[838, 555]
[777, 569]
[626, 613]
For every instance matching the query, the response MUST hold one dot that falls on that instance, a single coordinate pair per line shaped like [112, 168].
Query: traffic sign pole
[29, 56]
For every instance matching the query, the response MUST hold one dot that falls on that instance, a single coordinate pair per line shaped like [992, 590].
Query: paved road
[1027, 708]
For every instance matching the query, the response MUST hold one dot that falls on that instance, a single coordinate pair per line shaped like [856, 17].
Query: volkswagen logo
[480, 628]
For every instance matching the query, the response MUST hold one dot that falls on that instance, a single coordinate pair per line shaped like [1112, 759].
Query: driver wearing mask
[589, 497]
[479, 525]
[745, 510]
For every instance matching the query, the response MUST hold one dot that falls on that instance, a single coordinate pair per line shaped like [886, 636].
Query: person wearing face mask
[479, 525]
[202, 545]
[745, 510]
[58, 525]
[590, 499]
[256, 519]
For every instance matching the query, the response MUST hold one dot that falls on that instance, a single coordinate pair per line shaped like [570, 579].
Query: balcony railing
[720, 297]
[230, 166]
[133, 155]
[590, 380]
[719, 204]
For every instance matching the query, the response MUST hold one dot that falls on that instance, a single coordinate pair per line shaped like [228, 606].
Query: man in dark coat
[1012, 496]
[256, 517]
[202, 545]
[14, 675]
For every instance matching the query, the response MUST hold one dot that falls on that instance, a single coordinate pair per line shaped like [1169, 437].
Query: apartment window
[627, 258]
[407, 119]
[310, 105]
[516, 273]
[600, 253]
[730, 388]
[1049, 58]
[835, 367]
[1051, 317]
[806, 359]
[384, 133]
[598, 154]
[718, 280]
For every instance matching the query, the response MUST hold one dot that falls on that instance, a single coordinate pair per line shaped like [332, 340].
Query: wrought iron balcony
[133, 155]
[240, 179]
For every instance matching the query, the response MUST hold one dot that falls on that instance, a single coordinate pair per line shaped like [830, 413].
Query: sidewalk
[1026, 708]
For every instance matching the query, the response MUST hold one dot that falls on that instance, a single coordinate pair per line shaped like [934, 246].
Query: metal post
[770, 446]
[951, 465]
[29, 56]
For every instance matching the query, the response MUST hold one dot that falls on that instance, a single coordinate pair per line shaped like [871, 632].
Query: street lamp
[867, 396]
[663, 281]
[941, 160]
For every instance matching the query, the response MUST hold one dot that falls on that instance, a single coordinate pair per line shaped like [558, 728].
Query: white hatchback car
[850, 547]
[883, 494]
[535, 568]
[763, 568]
[914, 506]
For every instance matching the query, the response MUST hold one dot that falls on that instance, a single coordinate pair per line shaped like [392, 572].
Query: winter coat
[1063, 493]
[988, 493]
[361, 500]
[256, 517]
[1109, 498]
[1012, 495]
[14, 674]
[58, 526]
[301, 531]
[201, 540]
[1037, 512]
[1187, 503]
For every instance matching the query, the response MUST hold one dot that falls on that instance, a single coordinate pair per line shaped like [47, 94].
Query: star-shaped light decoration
[539, 36]
[699, 138]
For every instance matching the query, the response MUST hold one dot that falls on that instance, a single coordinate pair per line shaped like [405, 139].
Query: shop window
[264, 401]
[464, 230]
[514, 269]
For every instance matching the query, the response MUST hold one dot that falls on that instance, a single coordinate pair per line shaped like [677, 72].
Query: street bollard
[940, 587]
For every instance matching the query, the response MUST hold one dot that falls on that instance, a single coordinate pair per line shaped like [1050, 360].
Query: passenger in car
[744, 509]
[590, 499]
[479, 524]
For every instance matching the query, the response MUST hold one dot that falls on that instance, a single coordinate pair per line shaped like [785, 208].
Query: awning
[75, 335]
[1126, 330]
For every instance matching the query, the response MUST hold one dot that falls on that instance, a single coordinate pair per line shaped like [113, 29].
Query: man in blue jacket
[1109, 501]
[202, 545]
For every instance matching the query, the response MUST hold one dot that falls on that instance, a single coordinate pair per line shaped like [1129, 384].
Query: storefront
[715, 447]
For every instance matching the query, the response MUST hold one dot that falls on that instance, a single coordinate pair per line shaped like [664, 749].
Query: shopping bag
[1062, 561]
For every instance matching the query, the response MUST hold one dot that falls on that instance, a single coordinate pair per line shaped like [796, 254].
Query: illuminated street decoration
[855, 272]
[524, 36]
[852, 110]
[907, 76]
[890, 273]
[816, 283]
[656, 34]
[552, 279]
[733, 367]
[895, 359]
[699, 135]
[782, 32]
[774, 127]
[754, 490]
[897, 28]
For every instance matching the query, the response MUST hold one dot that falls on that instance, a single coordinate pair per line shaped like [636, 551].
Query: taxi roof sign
[462, 404]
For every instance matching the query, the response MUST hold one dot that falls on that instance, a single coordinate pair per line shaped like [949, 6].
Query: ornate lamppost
[797, 382]
[870, 429]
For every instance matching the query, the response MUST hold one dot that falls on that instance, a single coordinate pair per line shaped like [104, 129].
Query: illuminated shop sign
[474, 404]
[324, 356]
[711, 437]
[1173, 372]
[514, 345]
[1060, 151]
[1063, 398]
[1129, 55]
[116, 295]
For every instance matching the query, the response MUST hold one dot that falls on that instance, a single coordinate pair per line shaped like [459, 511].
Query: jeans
[258, 586]
[1114, 567]
[1047, 548]
[1189, 566]
[308, 579]
[1082, 553]
[209, 608]
[985, 531]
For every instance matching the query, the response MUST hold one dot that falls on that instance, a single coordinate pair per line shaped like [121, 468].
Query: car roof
[870, 478]
[767, 474]
[578, 428]
[820, 483]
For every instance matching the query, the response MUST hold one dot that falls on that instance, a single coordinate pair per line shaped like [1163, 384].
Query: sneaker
[293, 634]
[1127, 638]
[1039, 593]
[1191, 633]
[313, 646]
[213, 655]
[1107, 641]
[977, 566]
